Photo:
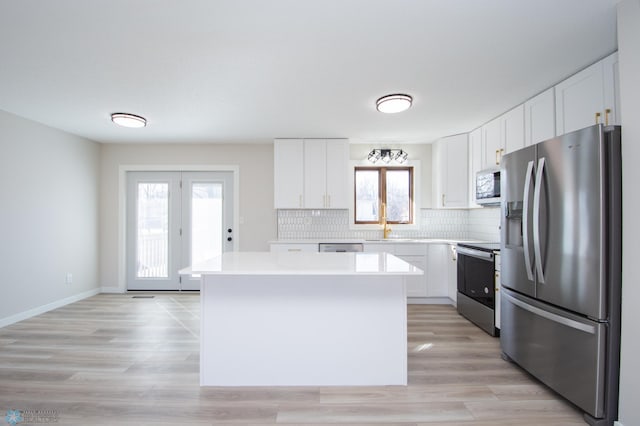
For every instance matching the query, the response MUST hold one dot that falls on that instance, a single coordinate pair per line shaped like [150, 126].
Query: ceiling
[249, 71]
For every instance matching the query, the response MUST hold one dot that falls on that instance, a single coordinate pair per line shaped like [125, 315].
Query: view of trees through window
[377, 185]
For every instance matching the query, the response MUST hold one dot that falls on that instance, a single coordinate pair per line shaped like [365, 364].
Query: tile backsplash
[480, 224]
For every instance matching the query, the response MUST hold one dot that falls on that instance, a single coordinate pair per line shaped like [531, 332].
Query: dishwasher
[340, 247]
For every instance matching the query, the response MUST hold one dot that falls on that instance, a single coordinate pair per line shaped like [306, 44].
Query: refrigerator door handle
[536, 220]
[550, 315]
[525, 220]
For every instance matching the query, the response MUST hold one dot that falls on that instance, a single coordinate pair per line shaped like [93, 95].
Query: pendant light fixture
[388, 155]
[391, 104]
[128, 120]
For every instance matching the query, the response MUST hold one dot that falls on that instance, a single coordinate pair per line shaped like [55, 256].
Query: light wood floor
[119, 360]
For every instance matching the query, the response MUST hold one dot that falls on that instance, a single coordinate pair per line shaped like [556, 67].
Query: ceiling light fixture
[128, 120]
[391, 104]
[388, 155]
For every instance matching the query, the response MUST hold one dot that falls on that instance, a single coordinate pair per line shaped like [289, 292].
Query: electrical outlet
[69, 277]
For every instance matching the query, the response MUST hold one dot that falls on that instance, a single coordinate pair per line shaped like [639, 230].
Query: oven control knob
[486, 290]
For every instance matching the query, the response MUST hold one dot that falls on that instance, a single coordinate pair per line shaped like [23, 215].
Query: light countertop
[303, 263]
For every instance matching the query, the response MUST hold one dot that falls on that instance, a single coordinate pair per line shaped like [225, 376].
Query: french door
[175, 219]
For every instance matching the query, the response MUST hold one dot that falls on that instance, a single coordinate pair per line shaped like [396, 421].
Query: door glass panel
[152, 258]
[206, 221]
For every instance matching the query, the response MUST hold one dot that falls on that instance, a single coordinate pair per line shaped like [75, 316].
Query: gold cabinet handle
[606, 116]
[328, 200]
[497, 161]
[598, 117]
[300, 201]
[442, 200]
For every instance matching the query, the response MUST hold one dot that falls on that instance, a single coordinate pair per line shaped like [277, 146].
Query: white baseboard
[45, 308]
[111, 290]
[617, 423]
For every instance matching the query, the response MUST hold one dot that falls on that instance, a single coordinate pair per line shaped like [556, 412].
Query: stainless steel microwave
[488, 187]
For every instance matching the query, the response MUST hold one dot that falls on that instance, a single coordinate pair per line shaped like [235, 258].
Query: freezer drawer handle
[525, 221]
[536, 220]
[550, 316]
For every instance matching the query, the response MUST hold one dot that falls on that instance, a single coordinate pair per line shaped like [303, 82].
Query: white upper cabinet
[492, 142]
[288, 173]
[476, 158]
[315, 174]
[311, 173]
[589, 97]
[612, 88]
[337, 174]
[540, 118]
[500, 136]
[450, 166]
[512, 130]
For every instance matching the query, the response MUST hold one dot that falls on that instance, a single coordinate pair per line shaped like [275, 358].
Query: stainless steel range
[476, 284]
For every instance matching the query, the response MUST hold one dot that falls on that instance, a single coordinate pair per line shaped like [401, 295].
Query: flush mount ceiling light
[128, 120]
[387, 155]
[391, 104]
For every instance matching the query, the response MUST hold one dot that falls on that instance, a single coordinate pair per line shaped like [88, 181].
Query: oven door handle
[465, 251]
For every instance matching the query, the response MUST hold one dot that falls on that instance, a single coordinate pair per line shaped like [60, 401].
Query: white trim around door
[122, 208]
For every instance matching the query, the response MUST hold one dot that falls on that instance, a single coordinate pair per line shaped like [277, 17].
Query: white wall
[257, 215]
[629, 54]
[48, 216]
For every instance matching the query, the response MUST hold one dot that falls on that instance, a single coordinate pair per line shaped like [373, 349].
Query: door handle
[536, 220]
[550, 315]
[525, 220]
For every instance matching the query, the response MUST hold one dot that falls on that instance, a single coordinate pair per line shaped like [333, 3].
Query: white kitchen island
[298, 319]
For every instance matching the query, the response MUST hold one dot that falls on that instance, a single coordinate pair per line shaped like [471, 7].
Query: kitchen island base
[303, 330]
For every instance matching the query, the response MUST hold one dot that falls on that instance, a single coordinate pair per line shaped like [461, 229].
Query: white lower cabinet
[452, 267]
[437, 260]
[438, 271]
[415, 254]
[497, 284]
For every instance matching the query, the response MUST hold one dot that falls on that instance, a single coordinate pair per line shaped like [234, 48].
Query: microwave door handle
[536, 220]
[525, 220]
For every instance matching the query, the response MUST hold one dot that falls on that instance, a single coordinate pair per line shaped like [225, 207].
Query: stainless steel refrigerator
[561, 266]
